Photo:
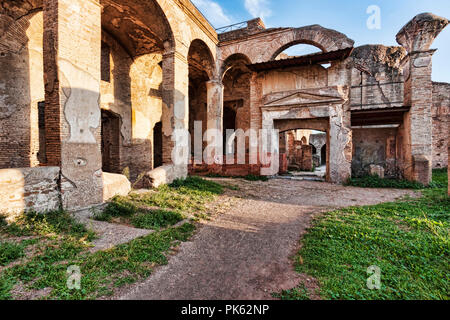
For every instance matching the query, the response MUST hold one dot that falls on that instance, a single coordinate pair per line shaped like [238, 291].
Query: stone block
[115, 185]
[26, 189]
[160, 176]
[376, 170]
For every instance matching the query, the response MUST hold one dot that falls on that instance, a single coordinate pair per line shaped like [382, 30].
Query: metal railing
[236, 26]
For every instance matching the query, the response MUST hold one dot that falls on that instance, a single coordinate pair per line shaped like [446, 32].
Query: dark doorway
[42, 153]
[157, 145]
[110, 142]
[229, 123]
[323, 154]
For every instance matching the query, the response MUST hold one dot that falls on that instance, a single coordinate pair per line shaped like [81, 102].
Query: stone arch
[200, 57]
[236, 78]
[325, 39]
[140, 26]
[235, 60]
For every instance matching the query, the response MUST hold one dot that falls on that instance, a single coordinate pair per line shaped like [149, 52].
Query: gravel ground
[244, 252]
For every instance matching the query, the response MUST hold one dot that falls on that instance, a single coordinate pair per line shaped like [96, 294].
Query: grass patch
[101, 271]
[408, 240]
[299, 293]
[181, 198]
[10, 252]
[157, 219]
[50, 224]
[377, 182]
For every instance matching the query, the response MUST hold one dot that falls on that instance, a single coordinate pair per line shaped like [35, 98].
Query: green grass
[299, 293]
[181, 198]
[101, 271]
[10, 252]
[157, 219]
[377, 182]
[408, 240]
[59, 242]
[49, 224]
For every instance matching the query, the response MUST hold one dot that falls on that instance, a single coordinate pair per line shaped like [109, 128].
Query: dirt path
[245, 252]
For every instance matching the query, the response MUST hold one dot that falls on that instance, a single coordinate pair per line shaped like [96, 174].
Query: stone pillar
[416, 37]
[339, 145]
[175, 115]
[214, 114]
[72, 41]
[215, 105]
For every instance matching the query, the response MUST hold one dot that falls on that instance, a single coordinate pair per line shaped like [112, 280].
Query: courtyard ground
[236, 239]
[245, 252]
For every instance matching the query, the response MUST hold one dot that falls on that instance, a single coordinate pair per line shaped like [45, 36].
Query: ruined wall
[314, 76]
[29, 189]
[374, 146]
[376, 77]
[21, 87]
[441, 124]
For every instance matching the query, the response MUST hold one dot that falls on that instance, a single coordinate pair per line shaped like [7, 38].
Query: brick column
[72, 39]
[420, 88]
[175, 104]
[255, 102]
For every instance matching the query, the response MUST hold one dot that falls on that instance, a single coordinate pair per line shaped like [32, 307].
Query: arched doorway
[201, 70]
[236, 81]
[135, 36]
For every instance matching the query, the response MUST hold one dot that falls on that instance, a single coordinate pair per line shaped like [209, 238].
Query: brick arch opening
[140, 26]
[326, 40]
[236, 81]
[135, 36]
[201, 70]
[296, 49]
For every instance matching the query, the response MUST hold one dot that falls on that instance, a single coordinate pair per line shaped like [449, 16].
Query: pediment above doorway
[307, 97]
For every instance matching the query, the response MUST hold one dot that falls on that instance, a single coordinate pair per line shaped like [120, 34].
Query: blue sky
[347, 16]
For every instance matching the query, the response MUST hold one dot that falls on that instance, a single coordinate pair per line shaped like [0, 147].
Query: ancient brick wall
[374, 146]
[377, 77]
[21, 87]
[29, 189]
[441, 124]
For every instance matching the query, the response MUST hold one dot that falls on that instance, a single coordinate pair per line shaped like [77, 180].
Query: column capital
[176, 55]
[214, 82]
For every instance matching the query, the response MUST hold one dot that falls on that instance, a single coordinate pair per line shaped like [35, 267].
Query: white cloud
[258, 8]
[213, 12]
